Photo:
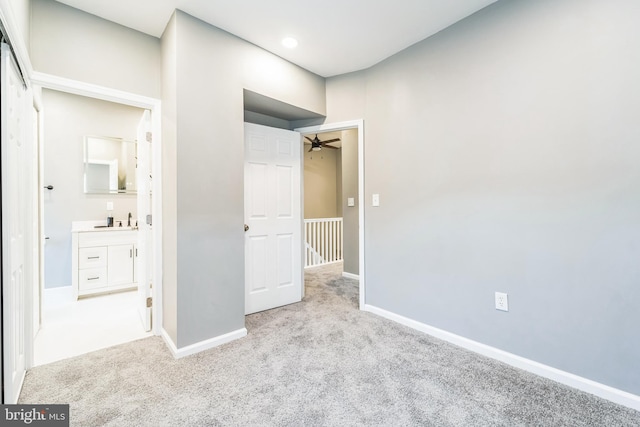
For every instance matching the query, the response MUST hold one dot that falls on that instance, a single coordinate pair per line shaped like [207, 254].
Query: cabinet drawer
[92, 278]
[107, 238]
[92, 257]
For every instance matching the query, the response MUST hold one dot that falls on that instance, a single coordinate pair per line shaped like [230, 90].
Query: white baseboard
[202, 345]
[350, 275]
[609, 393]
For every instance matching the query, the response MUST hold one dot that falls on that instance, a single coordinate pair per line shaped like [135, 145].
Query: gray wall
[67, 119]
[346, 97]
[350, 215]
[505, 151]
[204, 79]
[21, 10]
[265, 120]
[169, 182]
[69, 43]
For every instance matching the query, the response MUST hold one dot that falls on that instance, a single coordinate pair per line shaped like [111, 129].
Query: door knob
[246, 227]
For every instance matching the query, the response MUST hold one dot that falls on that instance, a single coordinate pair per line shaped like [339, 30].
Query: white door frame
[38, 234]
[359, 125]
[89, 90]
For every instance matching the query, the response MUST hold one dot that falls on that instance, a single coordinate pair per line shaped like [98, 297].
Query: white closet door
[16, 217]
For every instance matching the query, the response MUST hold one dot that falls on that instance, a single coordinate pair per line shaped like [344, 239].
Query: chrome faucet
[129, 220]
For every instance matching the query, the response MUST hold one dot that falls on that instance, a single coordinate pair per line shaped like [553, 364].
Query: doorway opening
[72, 326]
[262, 110]
[334, 183]
[77, 195]
[274, 221]
[331, 189]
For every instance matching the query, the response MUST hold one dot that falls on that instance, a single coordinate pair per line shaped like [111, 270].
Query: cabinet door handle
[93, 257]
[93, 278]
[130, 253]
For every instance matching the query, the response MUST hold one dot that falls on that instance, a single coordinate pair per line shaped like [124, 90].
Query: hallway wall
[350, 214]
[321, 183]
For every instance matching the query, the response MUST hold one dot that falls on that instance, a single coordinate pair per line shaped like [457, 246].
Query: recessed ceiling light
[289, 42]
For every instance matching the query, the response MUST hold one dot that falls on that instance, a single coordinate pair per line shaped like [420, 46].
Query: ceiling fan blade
[329, 146]
[310, 140]
[331, 140]
[310, 149]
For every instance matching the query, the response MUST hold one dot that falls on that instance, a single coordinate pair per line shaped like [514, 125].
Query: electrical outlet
[502, 301]
[109, 206]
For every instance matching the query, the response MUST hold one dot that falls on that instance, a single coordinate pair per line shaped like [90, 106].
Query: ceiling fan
[316, 144]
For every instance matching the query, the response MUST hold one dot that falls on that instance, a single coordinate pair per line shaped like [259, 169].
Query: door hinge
[149, 302]
[149, 219]
[149, 137]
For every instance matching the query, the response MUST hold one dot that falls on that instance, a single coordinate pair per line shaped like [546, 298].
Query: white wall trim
[350, 275]
[202, 345]
[91, 90]
[604, 391]
[352, 124]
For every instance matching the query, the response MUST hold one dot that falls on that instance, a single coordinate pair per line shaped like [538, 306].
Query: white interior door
[144, 260]
[272, 204]
[16, 200]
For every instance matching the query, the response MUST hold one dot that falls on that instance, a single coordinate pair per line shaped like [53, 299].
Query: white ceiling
[335, 36]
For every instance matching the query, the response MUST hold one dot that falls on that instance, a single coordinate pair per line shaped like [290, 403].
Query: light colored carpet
[320, 362]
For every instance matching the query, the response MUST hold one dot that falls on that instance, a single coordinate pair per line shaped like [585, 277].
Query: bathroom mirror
[109, 165]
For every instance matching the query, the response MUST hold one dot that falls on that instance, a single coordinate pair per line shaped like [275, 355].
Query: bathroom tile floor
[70, 328]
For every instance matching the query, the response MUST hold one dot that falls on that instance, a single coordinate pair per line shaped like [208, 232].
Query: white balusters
[323, 237]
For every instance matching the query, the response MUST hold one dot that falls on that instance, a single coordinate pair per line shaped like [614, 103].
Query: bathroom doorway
[70, 326]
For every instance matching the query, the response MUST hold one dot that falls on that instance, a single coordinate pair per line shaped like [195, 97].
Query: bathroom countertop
[83, 226]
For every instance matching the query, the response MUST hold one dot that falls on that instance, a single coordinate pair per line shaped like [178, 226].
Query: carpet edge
[603, 391]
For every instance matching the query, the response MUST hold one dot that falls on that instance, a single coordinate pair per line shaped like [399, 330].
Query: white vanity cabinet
[103, 261]
[121, 266]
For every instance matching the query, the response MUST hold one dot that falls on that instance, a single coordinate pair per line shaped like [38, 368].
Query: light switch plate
[375, 200]
[109, 206]
[351, 201]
